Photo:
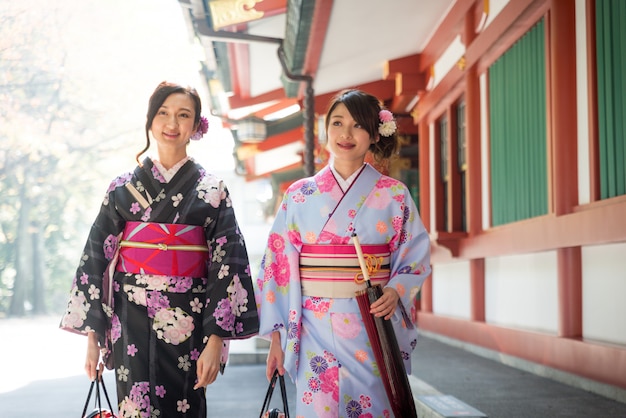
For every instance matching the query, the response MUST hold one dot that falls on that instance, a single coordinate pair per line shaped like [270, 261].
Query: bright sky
[125, 48]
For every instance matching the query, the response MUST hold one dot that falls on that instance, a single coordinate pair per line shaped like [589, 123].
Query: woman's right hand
[275, 357]
[93, 356]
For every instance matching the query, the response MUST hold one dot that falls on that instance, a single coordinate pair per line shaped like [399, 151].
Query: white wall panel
[451, 289]
[604, 293]
[521, 291]
[484, 153]
[582, 104]
[449, 58]
[495, 7]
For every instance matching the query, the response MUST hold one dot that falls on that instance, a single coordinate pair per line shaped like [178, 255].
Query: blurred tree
[75, 76]
[46, 175]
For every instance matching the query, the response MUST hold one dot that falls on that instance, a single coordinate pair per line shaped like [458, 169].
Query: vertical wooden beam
[472, 133]
[453, 208]
[473, 175]
[563, 105]
[562, 75]
[477, 283]
[426, 294]
[424, 172]
[570, 292]
[592, 97]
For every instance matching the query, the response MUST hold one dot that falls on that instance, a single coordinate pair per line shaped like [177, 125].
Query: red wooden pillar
[473, 173]
[564, 158]
[570, 292]
[426, 295]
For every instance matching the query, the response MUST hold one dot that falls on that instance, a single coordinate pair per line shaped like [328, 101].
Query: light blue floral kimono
[327, 350]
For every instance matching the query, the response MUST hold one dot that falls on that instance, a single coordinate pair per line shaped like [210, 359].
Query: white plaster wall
[456, 49]
[451, 289]
[604, 293]
[484, 154]
[495, 7]
[448, 59]
[521, 291]
[582, 106]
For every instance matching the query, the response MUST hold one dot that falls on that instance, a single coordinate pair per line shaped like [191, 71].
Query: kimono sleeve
[278, 285]
[231, 311]
[85, 309]
[410, 261]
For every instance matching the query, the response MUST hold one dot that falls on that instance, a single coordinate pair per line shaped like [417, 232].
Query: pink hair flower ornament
[387, 125]
[203, 128]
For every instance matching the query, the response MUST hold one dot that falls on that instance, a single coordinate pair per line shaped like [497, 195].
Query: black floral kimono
[158, 324]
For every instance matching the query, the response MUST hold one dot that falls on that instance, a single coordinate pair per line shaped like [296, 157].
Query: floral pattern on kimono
[327, 351]
[159, 324]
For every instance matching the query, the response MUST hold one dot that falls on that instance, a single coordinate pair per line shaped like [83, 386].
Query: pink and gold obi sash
[163, 249]
[332, 271]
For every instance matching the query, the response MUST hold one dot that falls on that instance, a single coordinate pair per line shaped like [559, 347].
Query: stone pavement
[41, 374]
[505, 387]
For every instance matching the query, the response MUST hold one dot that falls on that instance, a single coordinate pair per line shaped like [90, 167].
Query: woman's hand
[385, 305]
[275, 357]
[93, 355]
[208, 364]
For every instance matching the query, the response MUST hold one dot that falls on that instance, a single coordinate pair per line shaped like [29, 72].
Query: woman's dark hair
[365, 109]
[162, 92]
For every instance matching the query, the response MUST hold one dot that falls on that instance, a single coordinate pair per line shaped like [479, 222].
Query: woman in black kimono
[164, 280]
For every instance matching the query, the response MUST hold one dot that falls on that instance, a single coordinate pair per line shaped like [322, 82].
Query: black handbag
[98, 411]
[275, 412]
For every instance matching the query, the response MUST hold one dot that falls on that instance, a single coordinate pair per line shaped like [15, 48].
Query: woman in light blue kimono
[310, 271]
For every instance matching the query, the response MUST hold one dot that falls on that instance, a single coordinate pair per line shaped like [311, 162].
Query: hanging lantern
[251, 129]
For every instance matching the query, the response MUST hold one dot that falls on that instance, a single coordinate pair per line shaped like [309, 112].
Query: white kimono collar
[169, 174]
[345, 183]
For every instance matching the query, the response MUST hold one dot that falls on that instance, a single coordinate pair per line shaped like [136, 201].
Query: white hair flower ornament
[387, 125]
[203, 127]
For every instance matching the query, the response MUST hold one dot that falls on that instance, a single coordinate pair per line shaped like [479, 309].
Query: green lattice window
[517, 127]
[611, 70]
[461, 160]
[445, 175]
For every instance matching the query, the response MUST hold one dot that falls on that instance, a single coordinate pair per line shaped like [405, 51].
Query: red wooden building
[514, 143]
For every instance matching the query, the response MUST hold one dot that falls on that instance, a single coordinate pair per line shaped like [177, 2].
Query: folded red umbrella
[385, 346]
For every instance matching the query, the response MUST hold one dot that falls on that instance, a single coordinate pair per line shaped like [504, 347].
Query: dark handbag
[98, 411]
[275, 412]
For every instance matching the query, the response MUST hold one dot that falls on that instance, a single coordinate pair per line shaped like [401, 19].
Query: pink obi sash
[163, 249]
[333, 271]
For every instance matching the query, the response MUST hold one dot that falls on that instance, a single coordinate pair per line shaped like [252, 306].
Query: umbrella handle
[362, 263]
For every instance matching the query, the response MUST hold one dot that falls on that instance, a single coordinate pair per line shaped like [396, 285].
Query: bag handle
[98, 382]
[106, 395]
[88, 397]
[270, 390]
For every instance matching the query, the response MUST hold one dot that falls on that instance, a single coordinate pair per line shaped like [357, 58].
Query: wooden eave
[276, 107]
[503, 32]
[383, 89]
[296, 42]
[317, 37]
[238, 101]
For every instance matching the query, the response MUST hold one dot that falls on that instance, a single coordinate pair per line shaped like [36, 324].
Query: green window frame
[517, 129]
[611, 88]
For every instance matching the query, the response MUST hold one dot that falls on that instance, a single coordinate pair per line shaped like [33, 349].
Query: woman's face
[173, 123]
[347, 140]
